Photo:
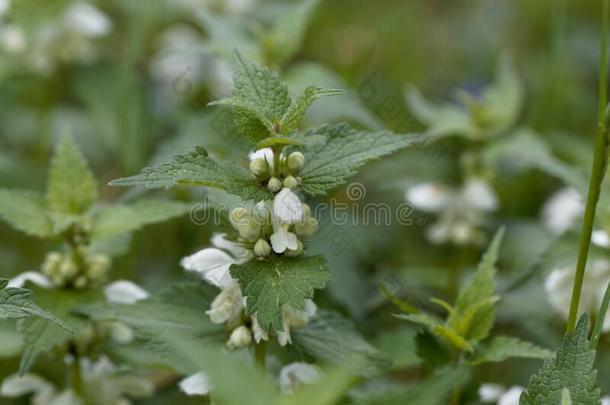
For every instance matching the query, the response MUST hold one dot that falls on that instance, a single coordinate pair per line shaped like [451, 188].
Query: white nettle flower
[264, 153]
[43, 391]
[124, 292]
[87, 20]
[287, 210]
[295, 374]
[495, 393]
[461, 211]
[562, 210]
[227, 305]
[34, 277]
[196, 384]
[558, 286]
[293, 318]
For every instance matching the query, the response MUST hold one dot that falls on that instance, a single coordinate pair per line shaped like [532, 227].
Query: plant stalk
[597, 174]
[259, 354]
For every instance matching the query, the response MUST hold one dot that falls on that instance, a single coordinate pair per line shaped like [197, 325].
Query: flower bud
[240, 337]
[296, 161]
[239, 216]
[68, 268]
[80, 282]
[290, 182]
[307, 227]
[261, 213]
[98, 266]
[262, 248]
[274, 185]
[51, 263]
[259, 167]
[297, 252]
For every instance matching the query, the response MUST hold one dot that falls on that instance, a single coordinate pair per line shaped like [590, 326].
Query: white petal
[227, 305]
[491, 392]
[265, 153]
[430, 197]
[287, 208]
[259, 333]
[279, 241]
[220, 241]
[511, 397]
[4, 6]
[310, 308]
[196, 384]
[213, 264]
[291, 241]
[562, 210]
[33, 276]
[477, 193]
[600, 238]
[297, 373]
[87, 19]
[124, 292]
[605, 400]
[16, 386]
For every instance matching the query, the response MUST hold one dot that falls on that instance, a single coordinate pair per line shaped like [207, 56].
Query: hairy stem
[259, 354]
[597, 174]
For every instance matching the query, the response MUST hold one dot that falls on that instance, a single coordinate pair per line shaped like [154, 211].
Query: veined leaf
[18, 303]
[500, 348]
[268, 285]
[571, 369]
[292, 118]
[71, 188]
[117, 219]
[40, 335]
[328, 165]
[26, 211]
[330, 337]
[197, 168]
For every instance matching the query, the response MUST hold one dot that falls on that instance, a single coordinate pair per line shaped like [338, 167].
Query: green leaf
[328, 165]
[197, 168]
[117, 219]
[40, 335]
[332, 338]
[438, 328]
[260, 98]
[500, 348]
[474, 308]
[292, 118]
[268, 285]
[18, 303]
[71, 188]
[571, 369]
[433, 352]
[26, 211]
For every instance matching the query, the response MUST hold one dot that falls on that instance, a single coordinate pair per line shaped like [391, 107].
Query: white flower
[558, 286]
[4, 6]
[86, 19]
[295, 374]
[213, 264]
[196, 384]
[491, 393]
[600, 238]
[562, 210]
[478, 194]
[227, 305]
[287, 210]
[35, 277]
[265, 153]
[15, 386]
[124, 292]
[429, 197]
[258, 332]
[293, 318]
[240, 337]
[12, 38]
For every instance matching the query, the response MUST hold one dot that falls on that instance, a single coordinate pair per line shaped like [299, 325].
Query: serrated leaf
[268, 285]
[259, 97]
[473, 315]
[176, 312]
[571, 369]
[438, 328]
[117, 219]
[40, 335]
[500, 348]
[18, 303]
[330, 337]
[26, 211]
[328, 165]
[71, 188]
[292, 118]
[197, 168]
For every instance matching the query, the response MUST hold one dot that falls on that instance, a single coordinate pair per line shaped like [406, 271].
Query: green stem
[277, 170]
[597, 174]
[77, 376]
[259, 354]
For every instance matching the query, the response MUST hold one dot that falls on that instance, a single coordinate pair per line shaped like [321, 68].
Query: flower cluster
[274, 227]
[77, 269]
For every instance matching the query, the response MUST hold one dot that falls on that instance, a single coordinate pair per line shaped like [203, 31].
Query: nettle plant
[260, 265]
[86, 233]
